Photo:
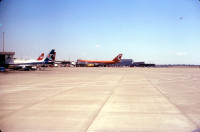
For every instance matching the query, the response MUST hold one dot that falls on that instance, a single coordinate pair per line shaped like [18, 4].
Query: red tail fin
[41, 57]
[118, 58]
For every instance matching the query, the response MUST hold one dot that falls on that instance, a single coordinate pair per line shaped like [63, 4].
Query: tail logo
[119, 57]
[49, 57]
[41, 57]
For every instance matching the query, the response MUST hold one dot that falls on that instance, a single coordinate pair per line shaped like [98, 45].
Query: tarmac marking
[186, 116]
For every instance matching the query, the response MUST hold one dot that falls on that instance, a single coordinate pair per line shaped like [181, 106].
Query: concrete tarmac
[100, 99]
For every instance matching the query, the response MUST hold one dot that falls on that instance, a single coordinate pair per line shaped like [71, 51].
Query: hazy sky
[144, 30]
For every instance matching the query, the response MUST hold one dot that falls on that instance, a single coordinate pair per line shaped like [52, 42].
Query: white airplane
[33, 64]
[17, 61]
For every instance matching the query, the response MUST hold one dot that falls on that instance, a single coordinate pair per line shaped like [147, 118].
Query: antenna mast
[3, 41]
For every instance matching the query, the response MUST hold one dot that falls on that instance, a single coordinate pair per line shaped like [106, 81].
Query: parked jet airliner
[49, 60]
[115, 60]
[40, 58]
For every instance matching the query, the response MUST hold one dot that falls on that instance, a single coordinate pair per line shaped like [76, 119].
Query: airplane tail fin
[54, 56]
[40, 57]
[50, 56]
[118, 58]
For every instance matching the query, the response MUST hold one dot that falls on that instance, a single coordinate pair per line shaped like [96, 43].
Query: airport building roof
[7, 53]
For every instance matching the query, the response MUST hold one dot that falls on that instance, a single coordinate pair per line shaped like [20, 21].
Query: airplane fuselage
[97, 61]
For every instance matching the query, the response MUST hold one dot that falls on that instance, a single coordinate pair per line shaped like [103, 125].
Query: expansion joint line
[42, 100]
[106, 100]
[174, 104]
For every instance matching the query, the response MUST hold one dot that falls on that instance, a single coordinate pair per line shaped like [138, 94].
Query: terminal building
[6, 58]
[131, 63]
[124, 62]
[137, 64]
[142, 64]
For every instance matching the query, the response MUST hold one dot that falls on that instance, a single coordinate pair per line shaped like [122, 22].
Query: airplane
[25, 61]
[117, 59]
[32, 65]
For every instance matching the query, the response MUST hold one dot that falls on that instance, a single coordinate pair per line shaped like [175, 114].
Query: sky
[154, 31]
